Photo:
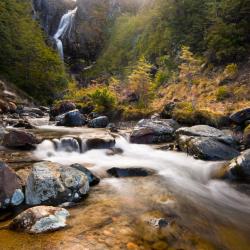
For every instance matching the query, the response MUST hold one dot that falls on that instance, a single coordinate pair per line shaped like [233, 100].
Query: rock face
[40, 219]
[206, 148]
[51, 183]
[130, 172]
[241, 116]
[10, 187]
[93, 180]
[99, 122]
[19, 139]
[240, 167]
[72, 119]
[154, 131]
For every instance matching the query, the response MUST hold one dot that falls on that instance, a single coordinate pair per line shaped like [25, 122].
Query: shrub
[222, 93]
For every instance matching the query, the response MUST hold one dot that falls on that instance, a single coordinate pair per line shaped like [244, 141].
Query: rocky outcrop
[149, 131]
[40, 219]
[130, 172]
[51, 183]
[99, 122]
[206, 148]
[19, 139]
[71, 119]
[241, 116]
[10, 188]
[239, 168]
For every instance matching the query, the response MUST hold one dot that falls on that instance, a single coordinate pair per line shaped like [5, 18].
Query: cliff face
[89, 29]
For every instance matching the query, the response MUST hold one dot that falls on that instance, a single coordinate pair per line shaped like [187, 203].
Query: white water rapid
[188, 179]
[64, 28]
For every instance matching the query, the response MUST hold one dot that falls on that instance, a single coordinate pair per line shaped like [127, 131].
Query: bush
[222, 93]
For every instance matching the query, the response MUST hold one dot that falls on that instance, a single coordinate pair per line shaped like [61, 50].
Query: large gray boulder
[10, 187]
[149, 131]
[51, 183]
[72, 118]
[239, 168]
[19, 139]
[206, 148]
[206, 131]
[240, 116]
[99, 122]
[40, 219]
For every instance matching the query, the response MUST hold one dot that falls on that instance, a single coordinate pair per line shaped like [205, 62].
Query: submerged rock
[40, 219]
[241, 116]
[51, 183]
[239, 168]
[103, 141]
[10, 187]
[99, 122]
[19, 139]
[130, 172]
[72, 119]
[206, 148]
[149, 131]
[93, 180]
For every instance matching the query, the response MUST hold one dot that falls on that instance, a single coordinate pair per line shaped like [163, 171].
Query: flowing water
[64, 29]
[199, 212]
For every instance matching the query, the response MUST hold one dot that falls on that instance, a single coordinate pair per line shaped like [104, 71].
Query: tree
[140, 82]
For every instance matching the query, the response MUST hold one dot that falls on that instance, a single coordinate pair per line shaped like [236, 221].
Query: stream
[181, 206]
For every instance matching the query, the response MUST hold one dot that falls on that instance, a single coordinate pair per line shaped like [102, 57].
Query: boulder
[19, 139]
[40, 219]
[206, 131]
[130, 172]
[149, 131]
[10, 187]
[36, 111]
[63, 108]
[93, 180]
[99, 122]
[12, 107]
[52, 183]
[240, 116]
[102, 141]
[72, 119]
[246, 136]
[239, 168]
[206, 148]
[23, 124]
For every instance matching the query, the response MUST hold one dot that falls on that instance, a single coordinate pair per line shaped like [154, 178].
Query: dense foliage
[25, 59]
[218, 30]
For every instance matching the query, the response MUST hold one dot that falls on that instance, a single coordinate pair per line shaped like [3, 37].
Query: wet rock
[246, 136]
[130, 172]
[104, 141]
[10, 187]
[67, 144]
[44, 109]
[40, 219]
[114, 151]
[206, 131]
[33, 111]
[99, 122]
[19, 139]
[93, 180]
[239, 168]
[2, 133]
[154, 131]
[206, 148]
[23, 175]
[23, 124]
[112, 128]
[51, 183]
[63, 108]
[72, 119]
[241, 116]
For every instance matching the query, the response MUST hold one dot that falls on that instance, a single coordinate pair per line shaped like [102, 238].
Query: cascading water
[64, 28]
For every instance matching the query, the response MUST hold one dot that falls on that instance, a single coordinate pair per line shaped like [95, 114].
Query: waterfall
[64, 28]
